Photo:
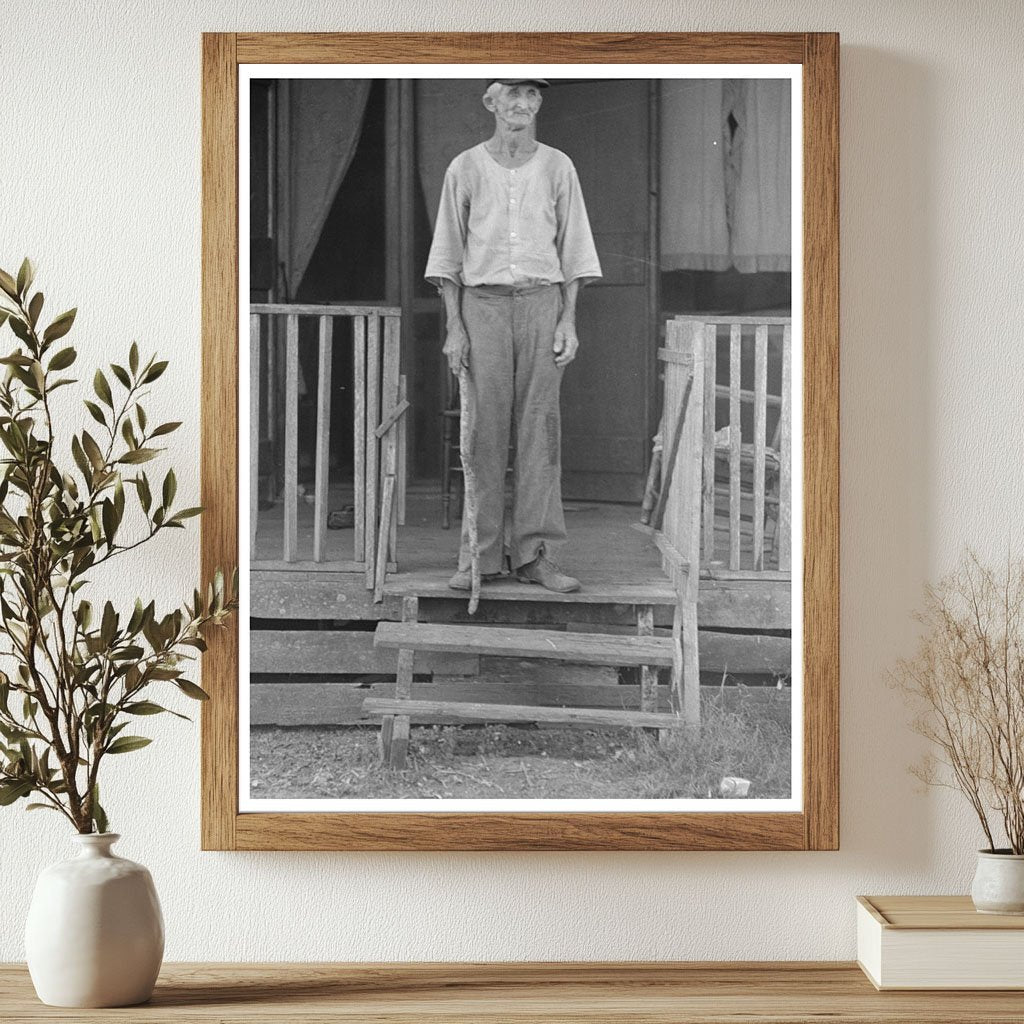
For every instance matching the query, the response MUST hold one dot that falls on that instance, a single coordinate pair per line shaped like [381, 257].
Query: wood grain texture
[551, 645]
[481, 832]
[760, 425]
[291, 440]
[490, 47]
[952, 913]
[219, 430]
[817, 826]
[467, 711]
[341, 652]
[323, 437]
[371, 479]
[821, 441]
[735, 444]
[595, 591]
[525, 993]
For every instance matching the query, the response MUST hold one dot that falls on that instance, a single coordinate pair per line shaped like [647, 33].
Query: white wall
[99, 182]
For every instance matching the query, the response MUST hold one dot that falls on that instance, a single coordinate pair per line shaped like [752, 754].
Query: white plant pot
[95, 934]
[999, 883]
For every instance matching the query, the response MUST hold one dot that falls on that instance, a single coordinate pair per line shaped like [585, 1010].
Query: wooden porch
[344, 552]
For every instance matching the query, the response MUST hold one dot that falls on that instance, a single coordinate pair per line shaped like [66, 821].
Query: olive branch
[81, 674]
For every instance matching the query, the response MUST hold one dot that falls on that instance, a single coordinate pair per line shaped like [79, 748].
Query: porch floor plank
[595, 589]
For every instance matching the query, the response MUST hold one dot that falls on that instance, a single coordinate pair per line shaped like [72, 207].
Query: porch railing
[734, 435]
[377, 435]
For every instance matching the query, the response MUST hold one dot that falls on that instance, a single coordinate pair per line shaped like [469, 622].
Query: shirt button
[513, 235]
[511, 266]
[513, 202]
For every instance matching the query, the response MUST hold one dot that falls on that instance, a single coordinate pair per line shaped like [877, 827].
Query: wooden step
[519, 713]
[579, 648]
[594, 590]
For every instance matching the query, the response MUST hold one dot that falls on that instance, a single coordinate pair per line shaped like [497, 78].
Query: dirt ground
[745, 732]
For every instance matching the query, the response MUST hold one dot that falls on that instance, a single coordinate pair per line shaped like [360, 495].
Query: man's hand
[566, 343]
[456, 346]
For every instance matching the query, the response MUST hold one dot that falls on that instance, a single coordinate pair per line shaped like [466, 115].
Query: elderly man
[511, 247]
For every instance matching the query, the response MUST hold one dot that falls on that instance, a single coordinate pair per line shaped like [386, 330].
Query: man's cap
[542, 82]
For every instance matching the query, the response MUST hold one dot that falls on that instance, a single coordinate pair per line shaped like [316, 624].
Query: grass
[745, 732]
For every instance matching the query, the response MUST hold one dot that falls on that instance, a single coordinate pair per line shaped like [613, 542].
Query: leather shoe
[463, 579]
[547, 575]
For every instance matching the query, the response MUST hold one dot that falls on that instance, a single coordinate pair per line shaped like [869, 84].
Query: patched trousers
[514, 384]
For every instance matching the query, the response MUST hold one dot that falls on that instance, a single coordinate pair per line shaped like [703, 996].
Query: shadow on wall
[886, 368]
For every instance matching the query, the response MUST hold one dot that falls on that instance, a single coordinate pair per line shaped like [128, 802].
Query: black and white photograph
[520, 466]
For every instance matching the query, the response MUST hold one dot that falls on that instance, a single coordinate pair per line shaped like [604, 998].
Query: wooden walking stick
[469, 505]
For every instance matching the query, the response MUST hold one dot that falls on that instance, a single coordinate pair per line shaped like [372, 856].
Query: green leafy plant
[80, 672]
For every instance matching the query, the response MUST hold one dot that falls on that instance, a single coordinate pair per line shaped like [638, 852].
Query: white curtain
[725, 187]
[761, 154]
[694, 232]
[326, 119]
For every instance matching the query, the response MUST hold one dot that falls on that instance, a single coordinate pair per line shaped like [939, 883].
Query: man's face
[515, 106]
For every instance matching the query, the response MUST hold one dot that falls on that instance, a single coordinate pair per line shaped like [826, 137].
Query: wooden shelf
[664, 993]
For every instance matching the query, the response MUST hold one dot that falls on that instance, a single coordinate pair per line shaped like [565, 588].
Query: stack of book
[938, 942]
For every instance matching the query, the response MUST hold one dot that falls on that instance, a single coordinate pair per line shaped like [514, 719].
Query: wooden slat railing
[679, 536]
[375, 333]
[759, 468]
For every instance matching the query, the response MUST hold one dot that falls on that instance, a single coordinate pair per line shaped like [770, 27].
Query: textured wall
[99, 181]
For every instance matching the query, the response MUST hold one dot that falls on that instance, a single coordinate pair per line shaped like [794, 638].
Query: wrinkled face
[514, 106]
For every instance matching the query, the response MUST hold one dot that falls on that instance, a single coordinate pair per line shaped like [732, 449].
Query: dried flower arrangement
[967, 682]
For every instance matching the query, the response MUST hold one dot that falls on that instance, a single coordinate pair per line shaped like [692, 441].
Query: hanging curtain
[694, 233]
[450, 117]
[759, 175]
[326, 119]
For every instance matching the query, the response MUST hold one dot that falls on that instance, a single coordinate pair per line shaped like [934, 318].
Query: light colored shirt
[511, 226]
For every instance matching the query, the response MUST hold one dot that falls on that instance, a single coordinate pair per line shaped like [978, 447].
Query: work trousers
[513, 382]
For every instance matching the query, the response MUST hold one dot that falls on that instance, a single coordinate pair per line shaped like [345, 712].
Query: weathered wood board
[341, 704]
[552, 645]
[341, 652]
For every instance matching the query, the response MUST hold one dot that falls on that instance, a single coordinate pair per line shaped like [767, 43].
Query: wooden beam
[395, 728]
[648, 674]
[322, 309]
[271, 564]
[578, 648]
[751, 321]
[321, 477]
[338, 652]
[254, 431]
[786, 455]
[359, 436]
[275, 594]
[341, 703]
[383, 537]
[595, 590]
[741, 604]
[602, 719]
[372, 391]
[392, 417]
[735, 443]
[708, 459]
[760, 429]
[291, 442]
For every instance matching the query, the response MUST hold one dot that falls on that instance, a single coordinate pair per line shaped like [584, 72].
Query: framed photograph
[520, 420]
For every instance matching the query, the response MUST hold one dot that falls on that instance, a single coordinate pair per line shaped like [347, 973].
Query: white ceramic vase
[999, 883]
[95, 933]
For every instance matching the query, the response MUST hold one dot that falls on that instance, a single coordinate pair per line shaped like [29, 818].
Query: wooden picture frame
[816, 826]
